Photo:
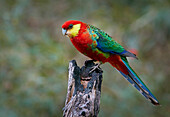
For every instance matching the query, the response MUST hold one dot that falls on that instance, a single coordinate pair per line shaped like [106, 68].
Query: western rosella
[99, 46]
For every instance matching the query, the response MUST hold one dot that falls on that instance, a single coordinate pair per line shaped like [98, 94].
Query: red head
[72, 28]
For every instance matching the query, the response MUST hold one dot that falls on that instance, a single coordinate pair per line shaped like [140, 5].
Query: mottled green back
[104, 41]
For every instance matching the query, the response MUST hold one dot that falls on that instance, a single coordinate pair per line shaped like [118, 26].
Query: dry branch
[84, 90]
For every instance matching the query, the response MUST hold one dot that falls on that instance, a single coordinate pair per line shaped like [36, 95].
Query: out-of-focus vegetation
[34, 55]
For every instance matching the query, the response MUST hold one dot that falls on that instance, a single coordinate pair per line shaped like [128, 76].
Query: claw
[97, 66]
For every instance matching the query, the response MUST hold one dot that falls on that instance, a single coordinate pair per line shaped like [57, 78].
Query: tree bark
[84, 90]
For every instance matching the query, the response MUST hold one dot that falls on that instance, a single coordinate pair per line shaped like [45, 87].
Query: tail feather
[134, 79]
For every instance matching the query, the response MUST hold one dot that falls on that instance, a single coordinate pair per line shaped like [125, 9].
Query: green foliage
[34, 55]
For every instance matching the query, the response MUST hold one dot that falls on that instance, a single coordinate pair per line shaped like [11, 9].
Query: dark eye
[70, 26]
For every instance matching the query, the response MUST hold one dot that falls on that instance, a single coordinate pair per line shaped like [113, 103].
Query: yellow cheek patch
[74, 31]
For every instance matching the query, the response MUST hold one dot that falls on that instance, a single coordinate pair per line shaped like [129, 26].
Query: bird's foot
[97, 66]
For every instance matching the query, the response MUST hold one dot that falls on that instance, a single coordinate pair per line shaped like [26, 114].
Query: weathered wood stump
[84, 90]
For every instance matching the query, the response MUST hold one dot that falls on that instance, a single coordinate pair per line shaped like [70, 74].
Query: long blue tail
[134, 79]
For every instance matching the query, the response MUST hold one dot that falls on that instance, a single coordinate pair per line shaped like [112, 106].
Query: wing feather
[106, 43]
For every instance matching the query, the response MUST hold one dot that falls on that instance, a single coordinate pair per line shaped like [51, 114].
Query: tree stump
[84, 90]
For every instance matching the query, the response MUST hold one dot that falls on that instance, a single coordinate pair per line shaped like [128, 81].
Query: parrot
[99, 46]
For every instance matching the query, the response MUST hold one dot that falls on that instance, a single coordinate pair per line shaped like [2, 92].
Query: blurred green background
[34, 55]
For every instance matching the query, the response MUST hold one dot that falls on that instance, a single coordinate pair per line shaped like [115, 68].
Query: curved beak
[64, 31]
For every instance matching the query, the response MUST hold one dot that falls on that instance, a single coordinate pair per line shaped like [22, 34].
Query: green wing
[107, 44]
[104, 41]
